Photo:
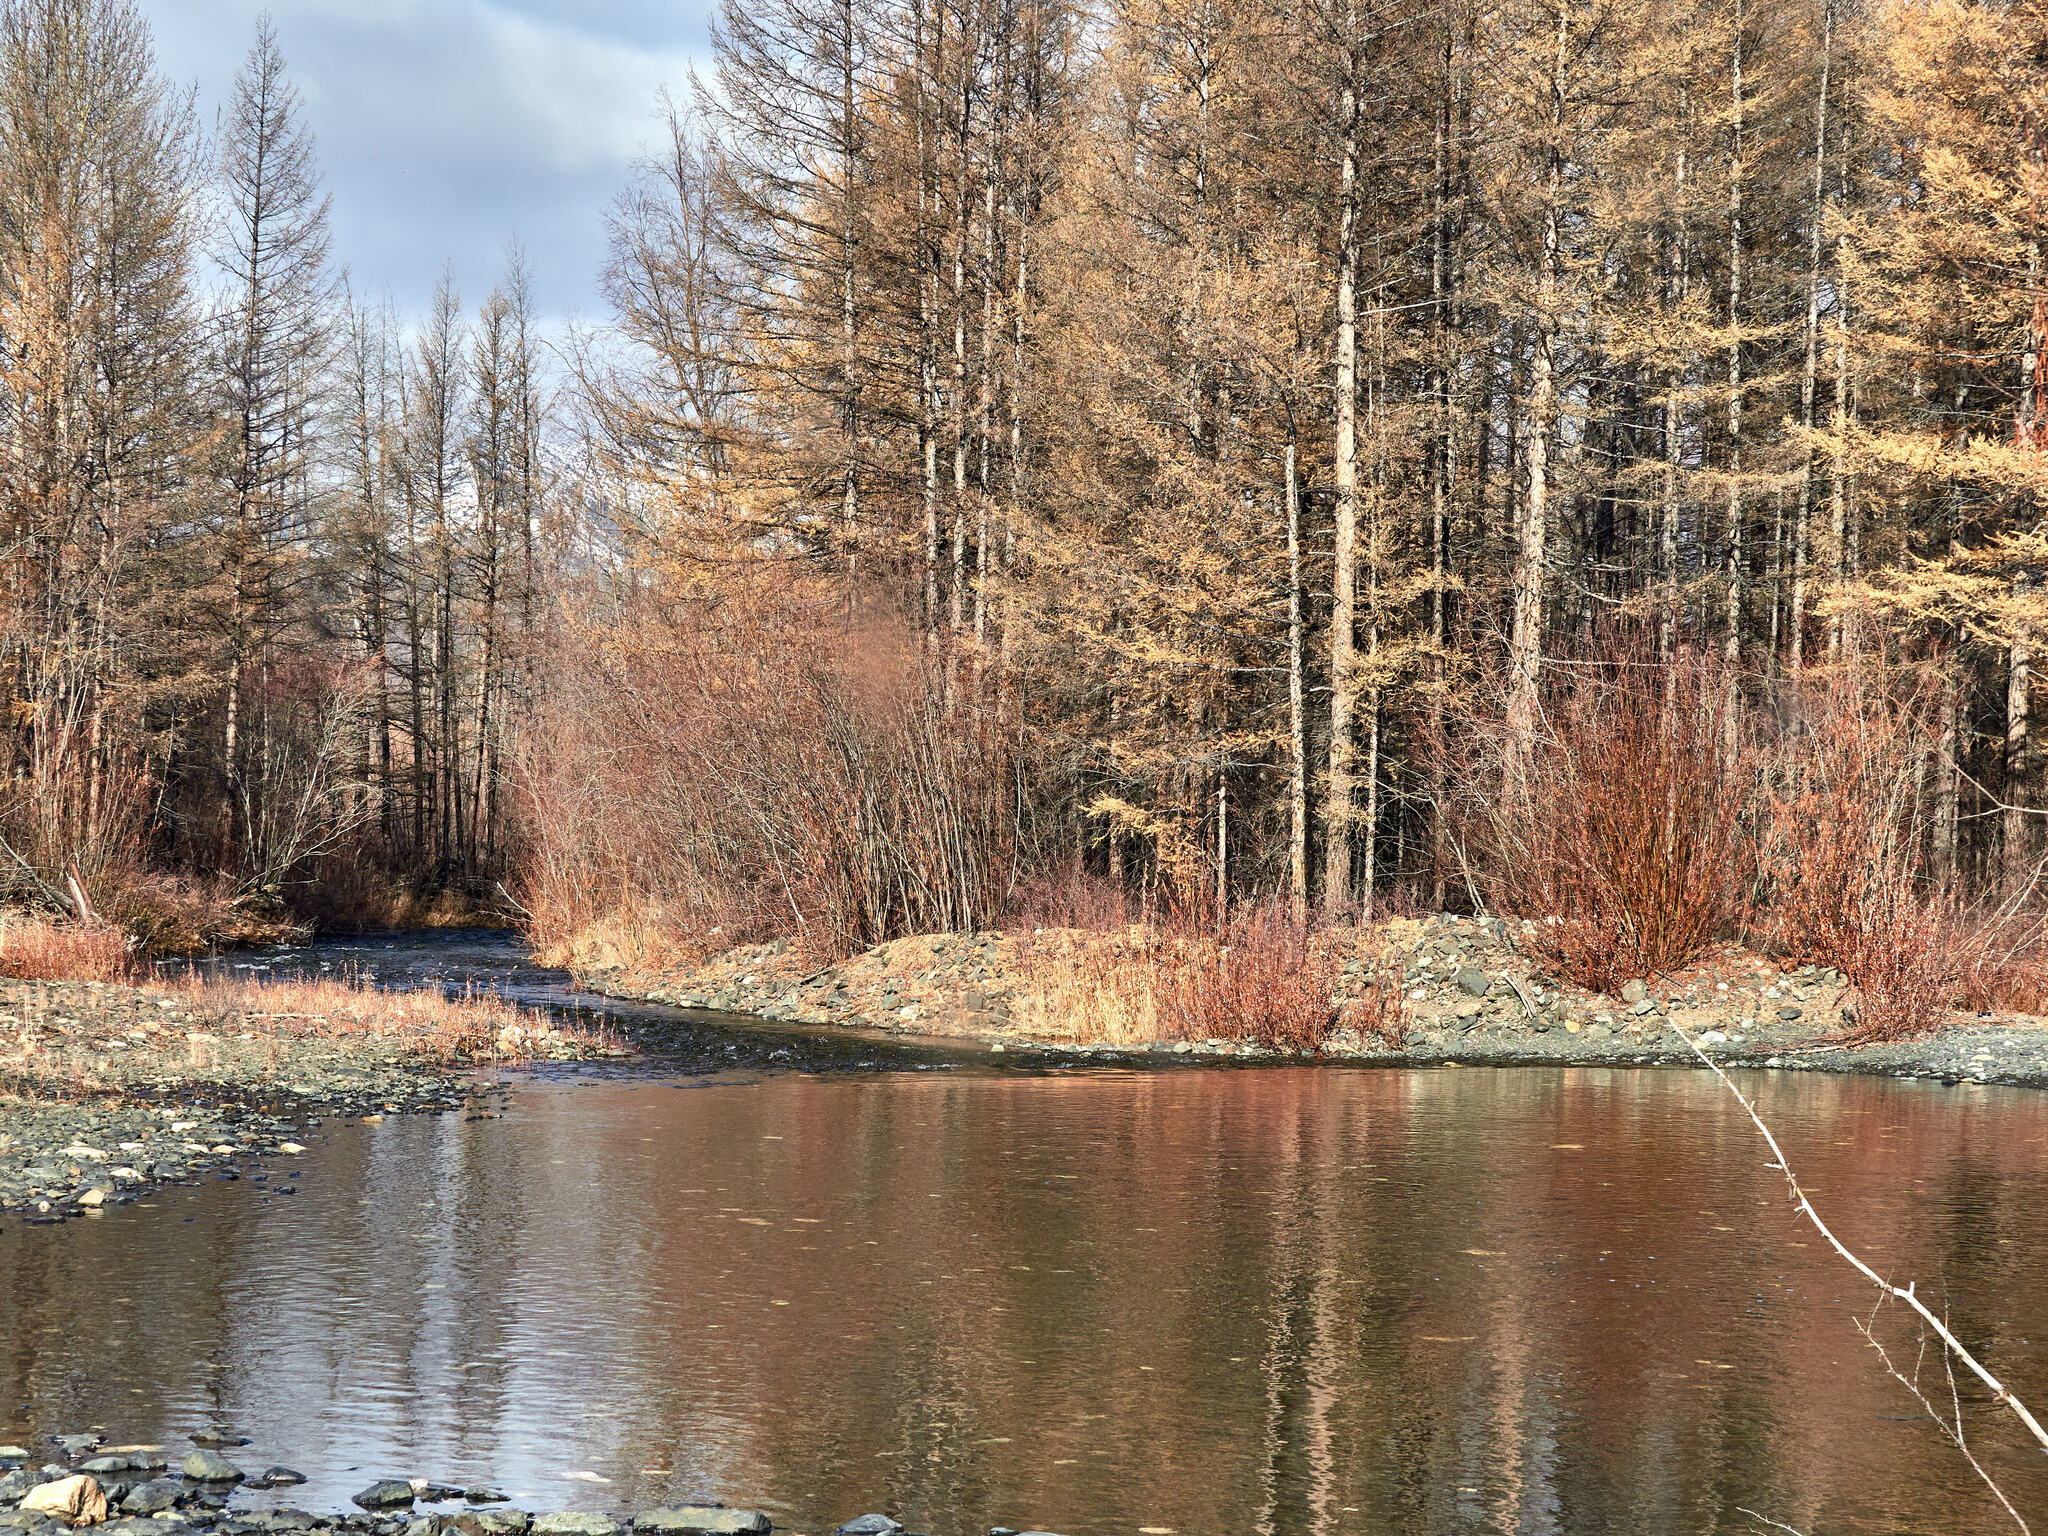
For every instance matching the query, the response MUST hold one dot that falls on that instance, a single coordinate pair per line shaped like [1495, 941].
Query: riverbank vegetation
[1578, 462]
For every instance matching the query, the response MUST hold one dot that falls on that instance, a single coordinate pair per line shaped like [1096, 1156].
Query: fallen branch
[1999, 1391]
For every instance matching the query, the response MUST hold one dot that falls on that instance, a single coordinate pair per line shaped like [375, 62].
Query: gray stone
[1634, 992]
[482, 1495]
[76, 1445]
[1470, 980]
[869, 1525]
[697, 1520]
[15, 1453]
[17, 1483]
[424, 1525]
[490, 1522]
[576, 1522]
[387, 1494]
[152, 1497]
[1788, 1014]
[102, 1464]
[279, 1477]
[205, 1466]
[218, 1437]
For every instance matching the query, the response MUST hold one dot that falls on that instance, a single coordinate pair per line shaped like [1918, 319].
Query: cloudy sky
[447, 126]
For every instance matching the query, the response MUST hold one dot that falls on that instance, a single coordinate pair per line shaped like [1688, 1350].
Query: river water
[1199, 1300]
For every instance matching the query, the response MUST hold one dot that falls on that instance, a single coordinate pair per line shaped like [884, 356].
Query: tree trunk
[1343, 614]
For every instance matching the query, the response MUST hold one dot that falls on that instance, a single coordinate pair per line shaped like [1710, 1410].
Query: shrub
[1622, 820]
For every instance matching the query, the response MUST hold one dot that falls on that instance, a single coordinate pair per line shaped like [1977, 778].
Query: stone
[218, 1437]
[278, 1477]
[1634, 992]
[1788, 1014]
[204, 1466]
[1472, 981]
[424, 1525]
[390, 1493]
[1713, 1037]
[16, 1483]
[490, 1522]
[869, 1525]
[576, 1522]
[696, 1520]
[485, 1495]
[76, 1445]
[15, 1453]
[152, 1497]
[77, 1498]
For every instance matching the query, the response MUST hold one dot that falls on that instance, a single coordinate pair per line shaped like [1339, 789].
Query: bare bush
[1843, 861]
[713, 774]
[1623, 821]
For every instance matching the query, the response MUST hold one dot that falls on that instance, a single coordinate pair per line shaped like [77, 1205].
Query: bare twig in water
[1776, 1525]
[1952, 1346]
[1952, 1428]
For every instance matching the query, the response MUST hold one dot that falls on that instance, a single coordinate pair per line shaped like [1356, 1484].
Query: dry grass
[33, 948]
[470, 1028]
[1267, 979]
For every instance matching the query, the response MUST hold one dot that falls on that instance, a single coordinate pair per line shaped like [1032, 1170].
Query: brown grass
[1267, 979]
[34, 948]
[472, 1028]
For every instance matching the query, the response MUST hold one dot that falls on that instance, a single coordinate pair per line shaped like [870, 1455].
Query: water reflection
[1280, 1301]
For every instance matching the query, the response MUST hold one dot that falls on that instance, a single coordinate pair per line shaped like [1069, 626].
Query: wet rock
[14, 1453]
[204, 1466]
[490, 1522]
[869, 1525]
[78, 1499]
[278, 1477]
[485, 1495]
[390, 1493]
[574, 1522]
[76, 1445]
[152, 1497]
[699, 1520]
[218, 1437]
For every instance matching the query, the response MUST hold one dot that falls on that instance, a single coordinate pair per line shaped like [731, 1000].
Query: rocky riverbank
[108, 1091]
[70, 1481]
[1442, 991]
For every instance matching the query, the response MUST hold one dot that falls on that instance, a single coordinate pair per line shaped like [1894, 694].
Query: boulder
[490, 1522]
[152, 1497]
[204, 1466]
[390, 1493]
[77, 1499]
[576, 1522]
[701, 1520]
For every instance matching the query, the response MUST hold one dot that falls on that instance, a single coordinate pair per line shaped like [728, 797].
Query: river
[1199, 1300]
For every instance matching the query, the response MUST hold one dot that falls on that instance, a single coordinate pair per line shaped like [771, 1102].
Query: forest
[1049, 462]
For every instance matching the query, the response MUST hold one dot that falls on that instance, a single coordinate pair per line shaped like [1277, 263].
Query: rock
[1713, 1037]
[152, 1497]
[485, 1495]
[490, 1522]
[203, 1466]
[869, 1525]
[218, 1437]
[92, 1198]
[572, 1522]
[17, 1483]
[425, 1525]
[697, 1520]
[76, 1445]
[387, 1494]
[279, 1477]
[1473, 981]
[434, 1493]
[77, 1498]
[1634, 992]
[1788, 1014]
[15, 1453]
